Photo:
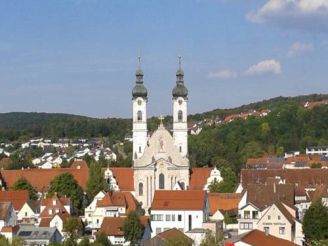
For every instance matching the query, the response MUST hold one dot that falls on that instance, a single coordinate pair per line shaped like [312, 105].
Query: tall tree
[96, 181]
[23, 184]
[133, 229]
[65, 185]
[73, 228]
[315, 222]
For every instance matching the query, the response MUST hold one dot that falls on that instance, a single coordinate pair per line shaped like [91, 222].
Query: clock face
[139, 102]
[180, 101]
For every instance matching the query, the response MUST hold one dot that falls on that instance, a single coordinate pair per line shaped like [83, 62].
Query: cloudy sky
[80, 56]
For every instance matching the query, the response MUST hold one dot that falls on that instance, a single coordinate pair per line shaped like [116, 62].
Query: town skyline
[84, 53]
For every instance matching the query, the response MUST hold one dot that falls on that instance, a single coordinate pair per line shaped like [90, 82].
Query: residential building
[8, 216]
[39, 235]
[112, 227]
[166, 237]
[184, 210]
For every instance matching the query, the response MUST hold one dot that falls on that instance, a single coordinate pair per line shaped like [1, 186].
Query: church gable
[161, 146]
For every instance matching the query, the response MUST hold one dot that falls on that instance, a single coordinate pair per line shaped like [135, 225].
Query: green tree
[227, 185]
[17, 241]
[23, 184]
[84, 242]
[65, 185]
[316, 165]
[73, 228]
[212, 240]
[4, 241]
[133, 229]
[102, 240]
[96, 181]
[315, 222]
[179, 240]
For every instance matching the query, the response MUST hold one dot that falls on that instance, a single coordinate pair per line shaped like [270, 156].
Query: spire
[180, 90]
[139, 89]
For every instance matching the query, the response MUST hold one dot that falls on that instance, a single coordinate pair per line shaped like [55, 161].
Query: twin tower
[180, 127]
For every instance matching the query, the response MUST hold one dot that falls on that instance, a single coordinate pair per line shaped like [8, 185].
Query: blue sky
[80, 56]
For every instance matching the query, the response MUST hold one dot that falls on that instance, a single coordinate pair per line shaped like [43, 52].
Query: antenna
[179, 57]
[139, 59]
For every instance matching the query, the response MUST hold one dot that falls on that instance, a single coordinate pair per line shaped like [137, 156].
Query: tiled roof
[119, 199]
[259, 238]
[179, 200]
[265, 195]
[198, 178]
[124, 177]
[113, 226]
[79, 165]
[173, 234]
[318, 193]
[40, 178]
[302, 177]
[17, 198]
[10, 229]
[223, 201]
[56, 208]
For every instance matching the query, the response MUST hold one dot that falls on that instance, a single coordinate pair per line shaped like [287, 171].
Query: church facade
[160, 161]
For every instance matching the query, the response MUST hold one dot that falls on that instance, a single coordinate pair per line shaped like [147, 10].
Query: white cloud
[310, 15]
[263, 67]
[222, 74]
[299, 48]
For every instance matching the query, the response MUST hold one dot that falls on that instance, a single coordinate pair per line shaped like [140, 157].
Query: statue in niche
[161, 145]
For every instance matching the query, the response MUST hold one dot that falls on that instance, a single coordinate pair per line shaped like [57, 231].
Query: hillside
[289, 126]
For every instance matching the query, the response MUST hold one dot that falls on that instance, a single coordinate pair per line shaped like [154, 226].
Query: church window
[180, 149]
[139, 149]
[161, 181]
[180, 115]
[139, 115]
[140, 189]
[182, 184]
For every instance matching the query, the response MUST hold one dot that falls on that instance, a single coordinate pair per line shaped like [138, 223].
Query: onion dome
[139, 89]
[180, 90]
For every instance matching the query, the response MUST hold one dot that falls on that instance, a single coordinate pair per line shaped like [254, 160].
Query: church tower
[180, 100]
[139, 101]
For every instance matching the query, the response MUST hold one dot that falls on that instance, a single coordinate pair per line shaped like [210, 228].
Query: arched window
[180, 149]
[140, 189]
[161, 181]
[139, 115]
[180, 115]
[182, 184]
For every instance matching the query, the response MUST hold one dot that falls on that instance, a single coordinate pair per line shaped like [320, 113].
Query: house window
[168, 217]
[161, 181]
[140, 189]
[173, 217]
[282, 230]
[180, 149]
[25, 214]
[157, 217]
[190, 222]
[279, 217]
[247, 214]
[50, 211]
[266, 230]
[255, 214]
[139, 115]
[180, 115]
[269, 217]
[246, 226]
[179, 217]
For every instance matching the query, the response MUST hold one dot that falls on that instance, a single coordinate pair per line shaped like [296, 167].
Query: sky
[80, 56]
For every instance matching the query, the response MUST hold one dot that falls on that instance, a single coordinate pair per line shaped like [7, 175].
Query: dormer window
[54, 202]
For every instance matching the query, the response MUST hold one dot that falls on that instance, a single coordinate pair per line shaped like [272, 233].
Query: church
[160, 161]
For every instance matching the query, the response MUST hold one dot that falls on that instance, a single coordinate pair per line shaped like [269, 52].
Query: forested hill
[22, 126]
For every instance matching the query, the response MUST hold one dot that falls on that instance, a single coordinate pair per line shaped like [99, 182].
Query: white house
[184, 210]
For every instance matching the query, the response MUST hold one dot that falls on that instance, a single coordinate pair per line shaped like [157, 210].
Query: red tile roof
[198, 178]
[40, 178]
[79, 165]
[124, 177]
[55, 204]
[179, 200]
[258, 238]
[113, 226]
[223, 201]
[173, 234]
[17, 198]
[119, 199]
[301, 177]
